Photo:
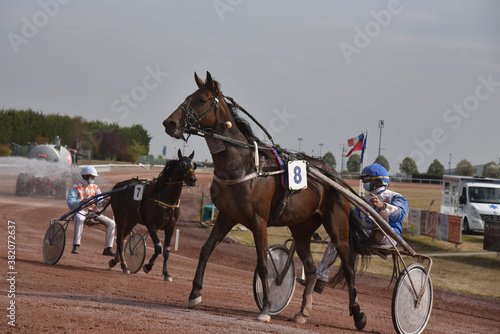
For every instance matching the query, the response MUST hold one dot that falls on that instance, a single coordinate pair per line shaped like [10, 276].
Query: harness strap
[236, 181]
[168, 205]
[251, 175]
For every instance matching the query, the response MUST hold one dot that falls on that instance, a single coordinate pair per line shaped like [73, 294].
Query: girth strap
[251, 175]
[168, 205]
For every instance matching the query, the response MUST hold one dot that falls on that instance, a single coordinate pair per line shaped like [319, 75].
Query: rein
[251, 117]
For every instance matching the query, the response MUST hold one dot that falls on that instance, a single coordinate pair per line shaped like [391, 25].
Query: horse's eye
[202, 100]
[194, 166]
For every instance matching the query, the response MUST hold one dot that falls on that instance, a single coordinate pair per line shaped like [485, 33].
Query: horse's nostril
[169, 124]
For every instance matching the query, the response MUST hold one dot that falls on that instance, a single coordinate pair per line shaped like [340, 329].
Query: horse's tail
[359, 244]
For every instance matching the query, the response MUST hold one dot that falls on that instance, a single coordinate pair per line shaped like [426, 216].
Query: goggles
[365, 178]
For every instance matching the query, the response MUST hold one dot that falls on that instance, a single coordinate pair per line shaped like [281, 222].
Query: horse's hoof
[126, 272]
[194, 302]
[300, 318]
[146, 268]
[360, 323]
[167, 278]
[263, 318]
[112, 263]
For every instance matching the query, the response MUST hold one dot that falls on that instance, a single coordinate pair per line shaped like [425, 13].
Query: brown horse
[246, 191]
[158, 209]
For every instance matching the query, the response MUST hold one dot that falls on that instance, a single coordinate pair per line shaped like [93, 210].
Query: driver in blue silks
[389, 204]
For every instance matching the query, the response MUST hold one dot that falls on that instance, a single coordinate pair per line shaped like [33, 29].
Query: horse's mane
[163, 177]
[243, 125]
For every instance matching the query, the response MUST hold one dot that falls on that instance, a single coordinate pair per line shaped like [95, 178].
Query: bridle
[186, 171]
[192, 120]
[190, 171]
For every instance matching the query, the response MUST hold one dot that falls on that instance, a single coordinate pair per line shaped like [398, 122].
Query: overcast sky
[322, 71]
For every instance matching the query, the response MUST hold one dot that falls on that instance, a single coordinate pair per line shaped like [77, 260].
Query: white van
[475, 199]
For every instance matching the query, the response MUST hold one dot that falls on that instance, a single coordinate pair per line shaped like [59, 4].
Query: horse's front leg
[158, 249]
[220, 230]
[261, 245]
[166, 251]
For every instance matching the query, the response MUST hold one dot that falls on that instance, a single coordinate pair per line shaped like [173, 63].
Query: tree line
[435, 170]
[409, 167]
[105, 141]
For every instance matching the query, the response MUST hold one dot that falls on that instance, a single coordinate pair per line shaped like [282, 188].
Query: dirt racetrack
[81, 294]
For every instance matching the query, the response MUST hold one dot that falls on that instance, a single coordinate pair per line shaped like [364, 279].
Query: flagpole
[363, 162]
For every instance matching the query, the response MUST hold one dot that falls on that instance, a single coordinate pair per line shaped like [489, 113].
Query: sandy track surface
[81, 294]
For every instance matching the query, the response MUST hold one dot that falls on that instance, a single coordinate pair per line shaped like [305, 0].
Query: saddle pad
[282, 166]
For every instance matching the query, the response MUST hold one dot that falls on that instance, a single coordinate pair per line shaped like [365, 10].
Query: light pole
[449, 166]
[320, 147]
[380, 125]
[300, 140]
[343, 155]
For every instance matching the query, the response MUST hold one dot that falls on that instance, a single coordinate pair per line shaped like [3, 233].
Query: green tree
[464, 167]
[383, 161]
[491, 169]
[436, 168]
[330, 159]
[78, 135]
[112, 146]
[6, 127]
[4, 150]
[135, 133]
[354, 163]
[408, 166]
[137, 149]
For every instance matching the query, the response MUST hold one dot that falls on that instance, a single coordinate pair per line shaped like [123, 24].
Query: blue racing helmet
[376, 171]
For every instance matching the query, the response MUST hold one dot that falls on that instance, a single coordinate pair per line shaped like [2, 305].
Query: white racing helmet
[89, 170]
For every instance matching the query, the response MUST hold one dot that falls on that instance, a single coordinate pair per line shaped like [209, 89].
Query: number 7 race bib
[297, 175]
[138, 190]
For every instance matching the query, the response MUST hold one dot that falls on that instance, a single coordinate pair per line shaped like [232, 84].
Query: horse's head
[200, 110]
[184, 170]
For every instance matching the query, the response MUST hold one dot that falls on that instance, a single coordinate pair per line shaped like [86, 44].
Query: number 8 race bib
[297, 175]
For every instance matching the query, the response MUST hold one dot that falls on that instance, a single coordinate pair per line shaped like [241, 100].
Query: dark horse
[158, 209]
[255, 201]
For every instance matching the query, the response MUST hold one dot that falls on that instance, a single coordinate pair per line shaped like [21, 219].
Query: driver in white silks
[79, 192]
[389, 204]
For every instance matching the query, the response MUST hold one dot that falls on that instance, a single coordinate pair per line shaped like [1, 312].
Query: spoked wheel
[53, 243]
[135, 252]
[407, 316]
[281, 292]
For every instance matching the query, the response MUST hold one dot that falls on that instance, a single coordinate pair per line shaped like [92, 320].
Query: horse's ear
[179, 154]
[209, 82]
[191, 156]
[212, 84]
[199, 82]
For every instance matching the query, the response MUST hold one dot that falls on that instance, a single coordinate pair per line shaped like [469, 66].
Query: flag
[358, 144]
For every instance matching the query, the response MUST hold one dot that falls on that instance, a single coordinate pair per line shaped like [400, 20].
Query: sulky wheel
[53, 243]
[407, 316]
[135, 252]
[281, 293]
